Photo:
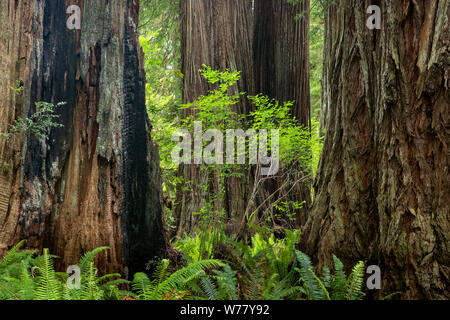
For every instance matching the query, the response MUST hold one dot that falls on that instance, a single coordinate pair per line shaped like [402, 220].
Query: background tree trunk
[221, 34]
[281, 57]
[216, 33]
[96, 181]
[382, 188]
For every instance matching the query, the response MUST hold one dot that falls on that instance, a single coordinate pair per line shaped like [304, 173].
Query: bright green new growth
[272, 269]
[39, 123]
[299, 146]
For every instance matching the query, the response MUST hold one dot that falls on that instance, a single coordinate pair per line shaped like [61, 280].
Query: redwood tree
[96, 180]
[216, 33]
[382, 188]
[281, 64]
[269, 46]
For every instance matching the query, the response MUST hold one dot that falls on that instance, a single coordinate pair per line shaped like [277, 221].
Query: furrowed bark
[382, 188]
[281, 57]
[95, 181]
[216, 33]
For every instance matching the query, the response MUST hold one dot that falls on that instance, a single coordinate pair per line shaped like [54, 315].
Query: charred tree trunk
[382, 189]
[95, 181]
[216, 33]
[281, 57]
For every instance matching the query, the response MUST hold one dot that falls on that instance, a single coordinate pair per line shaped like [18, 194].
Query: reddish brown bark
[216, 33]
[281, 58]
[95, 181]
[382, 189]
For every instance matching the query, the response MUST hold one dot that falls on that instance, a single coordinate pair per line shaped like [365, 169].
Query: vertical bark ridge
[216, 33]
[95, 181]
[382, 178]
[281, 57]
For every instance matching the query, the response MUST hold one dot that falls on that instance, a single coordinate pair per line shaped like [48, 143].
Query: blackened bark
[95, 181]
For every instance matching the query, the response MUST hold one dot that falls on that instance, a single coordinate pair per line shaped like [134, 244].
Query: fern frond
[227, 284]
[321, 284]
[11, 255]
[211, 292]
[48, 286]
[178, 279]
[339, 280]
[88, 258]
[355, 282]
[389, 296]
[308, 277]
[90, 284]
[140, 284]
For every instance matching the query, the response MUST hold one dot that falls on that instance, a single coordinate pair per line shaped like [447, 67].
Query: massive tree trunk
[382, 189]
[216, 33]
[95, 181]
[281, 57]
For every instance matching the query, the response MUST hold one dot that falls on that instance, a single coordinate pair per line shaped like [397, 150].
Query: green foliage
[47, 285]
[268, 268]
[311, 284]
[278, 253]
[94, 287]
[299, 146]
[214, 109]
[339, 280]
[160, 39]
[15, 280]
[297, 142]
[227, 283]
[355, 282]
[222, 285]
[202, 245]
[18, 88]
[166, 286]
[24, 277]
[340, 286]
[39, 123]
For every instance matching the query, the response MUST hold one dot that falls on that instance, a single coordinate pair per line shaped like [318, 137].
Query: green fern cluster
[336, 286]
[94, 287]
[15, 279]
[268, 269]
[272, 269]
[172, 286]
[222, 285]
[23, 277]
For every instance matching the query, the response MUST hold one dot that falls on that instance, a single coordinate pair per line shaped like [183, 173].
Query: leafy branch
[39, 123]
